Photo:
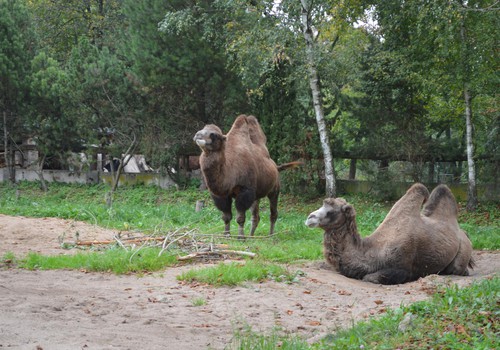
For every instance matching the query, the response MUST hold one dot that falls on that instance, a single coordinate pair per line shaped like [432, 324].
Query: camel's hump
[441, 204]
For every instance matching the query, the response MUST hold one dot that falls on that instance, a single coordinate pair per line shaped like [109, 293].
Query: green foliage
[108, 99]
[447, 45]
[181, 70]
[389, 120]
[55, 131]
[60, 23]
[16, 50]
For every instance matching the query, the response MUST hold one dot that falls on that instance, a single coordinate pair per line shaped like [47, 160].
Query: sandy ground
[78, 310]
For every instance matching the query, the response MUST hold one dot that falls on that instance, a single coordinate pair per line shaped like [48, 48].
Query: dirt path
[78, 310]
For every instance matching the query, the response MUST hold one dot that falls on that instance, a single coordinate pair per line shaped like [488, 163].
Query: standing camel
[237, 166]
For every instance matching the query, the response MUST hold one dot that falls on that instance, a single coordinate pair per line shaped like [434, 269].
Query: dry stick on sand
[133, 240]
[119, 242]
[215, 252]
[168, 240]
[165, 246]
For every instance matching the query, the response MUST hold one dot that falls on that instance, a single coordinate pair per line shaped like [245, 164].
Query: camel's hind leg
[389, 276]
[273, 208]
[462, 260]
[255, 216]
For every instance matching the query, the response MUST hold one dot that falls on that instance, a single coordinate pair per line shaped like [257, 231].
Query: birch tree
[309, 37]
[453, 45]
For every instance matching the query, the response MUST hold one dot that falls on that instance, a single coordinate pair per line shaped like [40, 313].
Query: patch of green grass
[483, 238]
[455, 318]
[8, 259]
[247, 339]
[198, 301]
[482, 226]
[233, 273]
[156, 211]
[116, 260]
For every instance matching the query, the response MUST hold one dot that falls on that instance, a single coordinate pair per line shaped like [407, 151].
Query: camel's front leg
[240, 219]
[244, 200]
[224, 205]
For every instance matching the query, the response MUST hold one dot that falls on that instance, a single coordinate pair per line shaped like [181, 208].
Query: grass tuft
[116, 260]
[235, 273]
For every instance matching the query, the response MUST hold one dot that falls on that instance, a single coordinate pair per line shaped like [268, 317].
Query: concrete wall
[89, 177]
[485, 192]
[139, 178]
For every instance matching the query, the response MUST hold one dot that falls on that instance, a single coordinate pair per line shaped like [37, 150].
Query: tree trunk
[115, 175]
[39, 172]
[432, 172]
[7, 154]
[317, 99]
[472, 191]
[352, 170]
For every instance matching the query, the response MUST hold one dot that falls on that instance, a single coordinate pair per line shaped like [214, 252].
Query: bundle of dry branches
[189, 242]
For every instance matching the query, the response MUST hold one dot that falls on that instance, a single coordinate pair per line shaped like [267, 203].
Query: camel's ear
[348, 210]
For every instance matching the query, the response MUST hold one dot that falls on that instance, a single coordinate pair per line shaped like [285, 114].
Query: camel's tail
[472, 263]
[290, 165]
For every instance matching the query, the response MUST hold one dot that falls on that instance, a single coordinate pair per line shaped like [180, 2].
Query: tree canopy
[375, 81]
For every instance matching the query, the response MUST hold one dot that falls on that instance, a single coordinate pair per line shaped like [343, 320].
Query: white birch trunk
[317, 100]
[472, 191]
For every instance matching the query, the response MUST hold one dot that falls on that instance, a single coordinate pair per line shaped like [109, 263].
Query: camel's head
[333, 214]
[210, 138]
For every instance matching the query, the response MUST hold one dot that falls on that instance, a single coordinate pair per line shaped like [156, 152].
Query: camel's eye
[215, 136]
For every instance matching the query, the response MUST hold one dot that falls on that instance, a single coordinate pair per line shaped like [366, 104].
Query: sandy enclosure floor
[77, 310]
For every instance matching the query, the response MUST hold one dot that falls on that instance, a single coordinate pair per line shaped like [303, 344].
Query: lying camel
[409, 244]
[238, 166]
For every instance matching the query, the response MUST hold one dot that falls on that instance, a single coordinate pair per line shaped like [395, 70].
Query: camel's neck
[212, 166]
[348, 236]
[345, 249]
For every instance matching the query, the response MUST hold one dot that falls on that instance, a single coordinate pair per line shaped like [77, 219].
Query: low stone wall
[52, 176]
[91, 177]
[485, 192]
[138, 179]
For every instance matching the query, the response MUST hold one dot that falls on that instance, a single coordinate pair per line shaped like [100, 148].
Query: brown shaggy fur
[238, 166]
[409, 244]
